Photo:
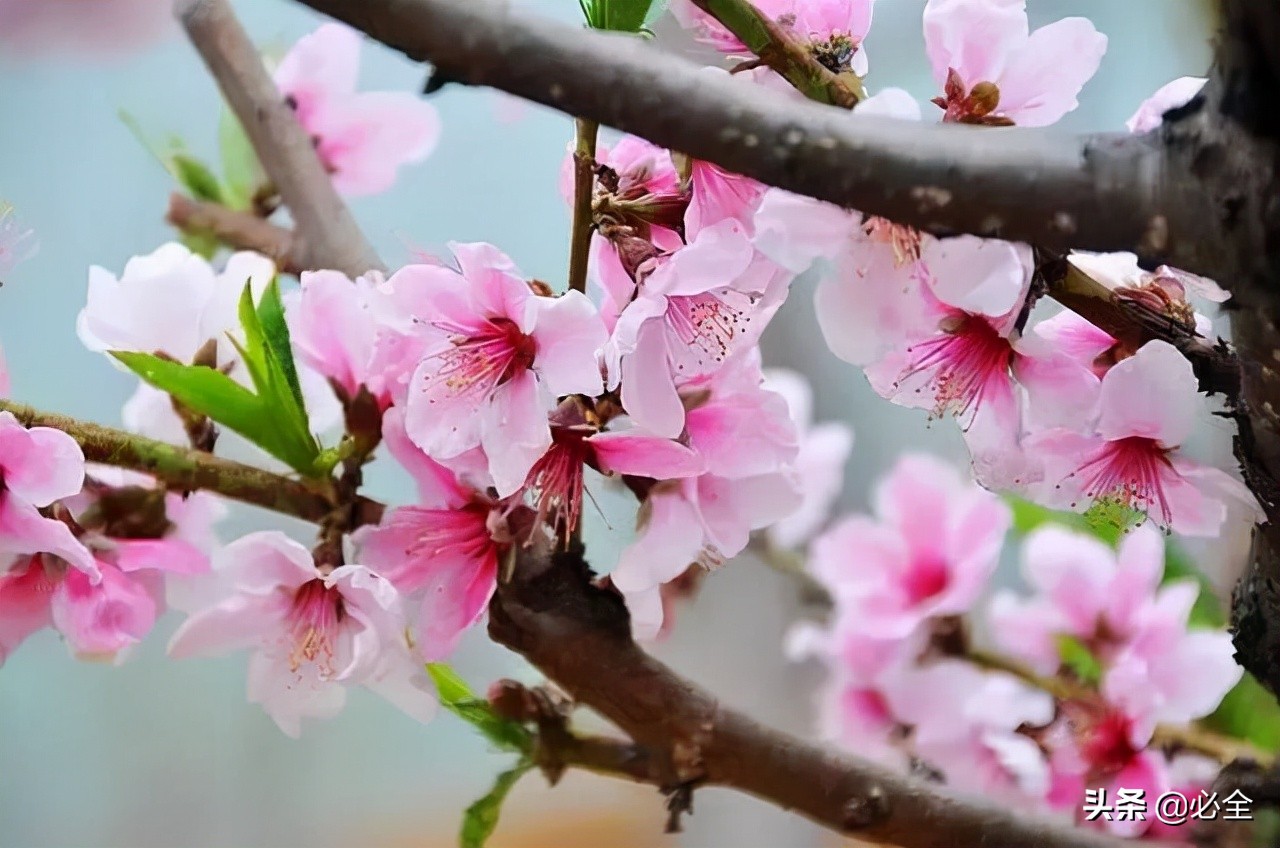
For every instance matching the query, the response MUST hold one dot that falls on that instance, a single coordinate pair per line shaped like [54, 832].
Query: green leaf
[196, 177]
[1079, 659]
[276, 335]
[457, 698]
[1109, 520]
[1249, 712]
[206, 391]
[241, 172]
[201, 243]
[481, 818]
[617, 15]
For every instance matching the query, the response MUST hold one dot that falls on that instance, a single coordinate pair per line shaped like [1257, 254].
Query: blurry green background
[158, 753]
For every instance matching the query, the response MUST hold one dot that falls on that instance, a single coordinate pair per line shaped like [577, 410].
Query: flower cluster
[906, 684]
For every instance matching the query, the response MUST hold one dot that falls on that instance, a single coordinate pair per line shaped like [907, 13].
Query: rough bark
[1055, 190]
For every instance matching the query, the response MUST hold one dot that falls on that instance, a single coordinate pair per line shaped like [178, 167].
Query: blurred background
[159, 753]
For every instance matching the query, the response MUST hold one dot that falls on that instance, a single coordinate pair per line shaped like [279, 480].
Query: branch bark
[183, 469]
[1058, 191]
[238, 230]
[579, 636]
[327, 235]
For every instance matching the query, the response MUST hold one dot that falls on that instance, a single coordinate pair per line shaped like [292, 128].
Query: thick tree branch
[579, 636]
[1053, 190]
[237, 230]
[327, 235]
[185, 470]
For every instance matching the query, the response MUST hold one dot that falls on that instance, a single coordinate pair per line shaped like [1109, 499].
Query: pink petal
[976, 275]
[366, 137]
[454, 598]
[1169, 96]
[25, 595]
[39, 465]
[170, 555]
[320, 67]
[714, 259]
[648, 389]
[102, 618]
[1043, 77]
[241, 621]
[23, 530]
[514, 432]
[794, 231]
[1151, 394]
[569, 333]
[973, 36]
[437, 486]
[643, 455]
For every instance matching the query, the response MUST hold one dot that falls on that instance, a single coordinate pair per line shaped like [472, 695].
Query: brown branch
[238, 230]
[185, 470]
[784, 53]
[579, 636]
[327, 235]
[1133, 323]
[1055, 190]
[584, 163]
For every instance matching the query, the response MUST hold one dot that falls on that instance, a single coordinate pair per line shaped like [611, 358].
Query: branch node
[867, 810]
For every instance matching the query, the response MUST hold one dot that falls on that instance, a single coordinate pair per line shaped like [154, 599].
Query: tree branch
[782, 52]
[1058, 191]
[327, 235]
[579, 636]
[184, 469]
[238, 230]
[584, 180]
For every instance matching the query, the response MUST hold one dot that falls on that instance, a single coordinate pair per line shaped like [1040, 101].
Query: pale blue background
[168, 754]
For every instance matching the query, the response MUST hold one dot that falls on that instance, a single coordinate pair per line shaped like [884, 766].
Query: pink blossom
[362, 137]
[824, 450]
[994, 70]
[693, 311]
[493, 358]
[1147, 409]
[77, 27]
[717, 194]
[965, 724]
[38, 466]
[556, 482]
[1082, 589]
[865, 674]
[1166, 290]
[102, 619]
[172, 301]
[441, 551]
[704, 520]
[1150, 114]
[311, 635]
[334, 328]
[834, 29]
[928, 551]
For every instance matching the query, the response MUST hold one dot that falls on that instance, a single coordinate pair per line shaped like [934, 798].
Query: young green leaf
[206, 391]
[1249, 712]
[196, 178]
[617, 15]
[481, 818]
[457, 698]
[1077, 657]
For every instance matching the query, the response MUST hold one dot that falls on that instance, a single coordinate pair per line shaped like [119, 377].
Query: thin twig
[327, 235]
[584, 161]
[235, 229]
[780, 50]
[184, 469]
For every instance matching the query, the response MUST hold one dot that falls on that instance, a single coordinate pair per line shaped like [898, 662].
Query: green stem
[584, 155]
[184, 469]
[780, 50]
